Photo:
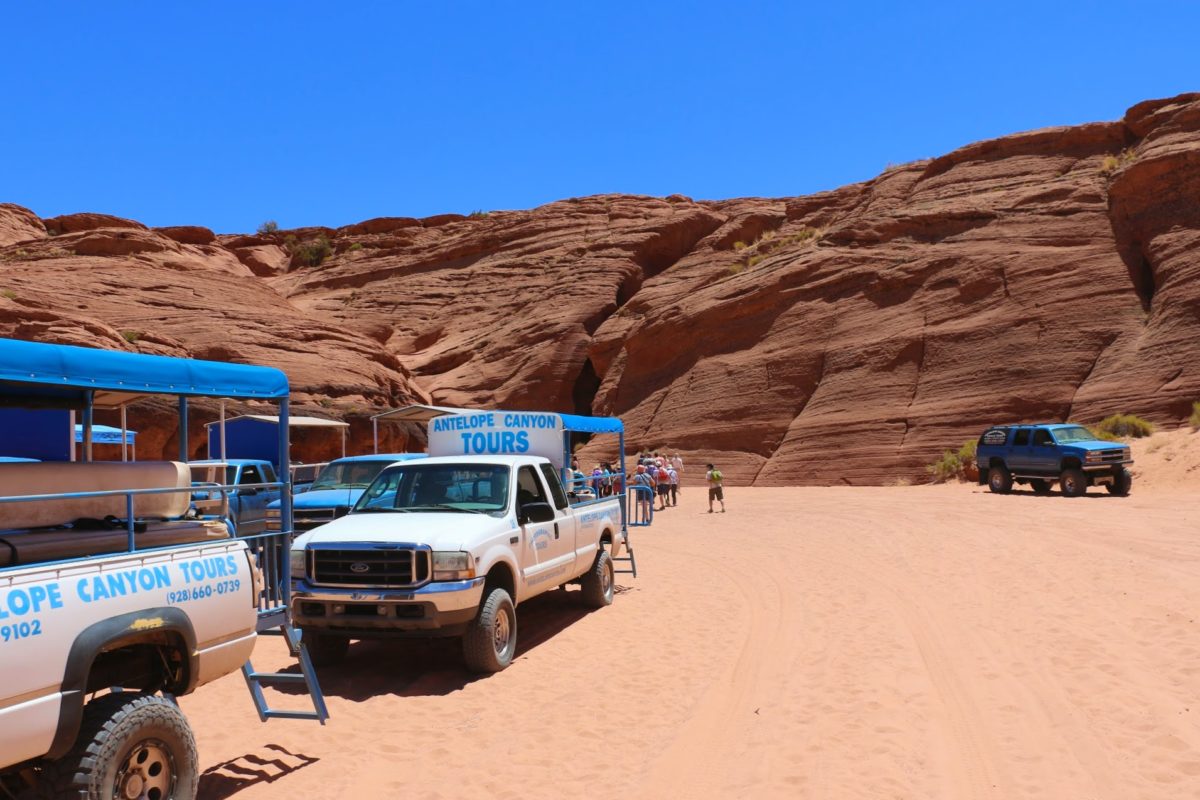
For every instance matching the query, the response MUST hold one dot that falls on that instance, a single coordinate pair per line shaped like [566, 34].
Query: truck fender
[95, 638]
[497, 554]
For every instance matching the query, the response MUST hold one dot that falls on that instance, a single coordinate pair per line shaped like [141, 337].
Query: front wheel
[1122, 483]
[1073, 483]
[129, 745]
[491, 641]
[597, 582]
[1000, 480]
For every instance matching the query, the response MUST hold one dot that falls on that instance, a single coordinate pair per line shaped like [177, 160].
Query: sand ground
[908, 642]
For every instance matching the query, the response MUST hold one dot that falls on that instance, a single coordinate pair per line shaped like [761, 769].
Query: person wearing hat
[716, 490]
[645, 499]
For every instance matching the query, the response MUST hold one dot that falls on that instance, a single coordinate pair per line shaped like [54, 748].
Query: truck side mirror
[535, 512]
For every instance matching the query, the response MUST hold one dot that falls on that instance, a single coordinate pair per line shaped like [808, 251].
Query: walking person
[674, 483]
[645, 500]
[716, 490]
[663, 478]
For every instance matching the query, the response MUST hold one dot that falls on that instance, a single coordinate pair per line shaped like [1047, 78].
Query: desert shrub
[739, 245]
[954, 465]
[1123, 426]
[9, 293]
[270, 226]
[131, 336]
[737, 267]
[312, 252]
[478, 214]
[355, 246]
[1194, 420]
[1111, 163]
[754, 259]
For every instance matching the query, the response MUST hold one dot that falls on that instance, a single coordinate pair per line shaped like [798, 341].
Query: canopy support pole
[343, 442]
[124, 435]
[375, 434]
[71, 433]
[183, 428]
[87, 429]
[285, 475]
[222, 456]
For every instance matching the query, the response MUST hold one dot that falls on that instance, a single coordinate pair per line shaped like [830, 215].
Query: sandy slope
[811, 643]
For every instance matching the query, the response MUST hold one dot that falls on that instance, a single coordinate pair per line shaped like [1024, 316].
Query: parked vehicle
[335, 490]
[1043, 454]
[304, 474]
[114, 599]
[246, 505]
[450, 545]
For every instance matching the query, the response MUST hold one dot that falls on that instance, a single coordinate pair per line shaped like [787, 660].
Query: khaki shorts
[716, 493]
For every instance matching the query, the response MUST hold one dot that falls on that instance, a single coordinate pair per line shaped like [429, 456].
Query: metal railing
[270, 549]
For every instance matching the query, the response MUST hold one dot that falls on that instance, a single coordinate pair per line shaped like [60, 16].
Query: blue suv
[339, 485]
[1042, 454]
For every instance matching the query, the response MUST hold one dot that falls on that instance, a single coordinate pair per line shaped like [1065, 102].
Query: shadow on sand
[226, 779]
[428, 667]
[1093, 493]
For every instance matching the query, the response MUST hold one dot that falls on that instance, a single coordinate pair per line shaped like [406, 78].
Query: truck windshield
[1075, 433]
[348, 475]
[472, 488]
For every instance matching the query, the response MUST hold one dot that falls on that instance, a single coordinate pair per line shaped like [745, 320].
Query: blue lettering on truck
[18, 602]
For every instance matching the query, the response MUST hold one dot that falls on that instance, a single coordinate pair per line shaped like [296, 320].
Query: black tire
[1000, 480]
[127, 741]
[491, 640]
[1040, 486]
[597, 582]
[325, 649]
[1122, 483]
[1073, 483]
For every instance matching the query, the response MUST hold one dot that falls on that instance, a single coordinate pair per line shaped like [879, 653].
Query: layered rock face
[845, 337]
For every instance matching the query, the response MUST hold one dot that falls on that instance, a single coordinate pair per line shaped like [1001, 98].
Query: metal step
[255, 680]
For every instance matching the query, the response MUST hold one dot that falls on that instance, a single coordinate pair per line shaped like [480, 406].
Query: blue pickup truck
[1042, 454]
[247, 504]
[339, 485]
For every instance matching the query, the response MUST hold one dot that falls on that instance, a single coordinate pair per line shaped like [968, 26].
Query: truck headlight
[299, 563]
[274, 513]
[1094, 456]
[453, 566]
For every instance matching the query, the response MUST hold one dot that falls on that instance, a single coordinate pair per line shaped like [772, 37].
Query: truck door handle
[556, 530]
[514, 539]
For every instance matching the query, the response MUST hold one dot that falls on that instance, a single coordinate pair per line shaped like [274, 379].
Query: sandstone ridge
[844, 337]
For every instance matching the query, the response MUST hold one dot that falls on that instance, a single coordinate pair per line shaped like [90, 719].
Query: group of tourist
[659, 472]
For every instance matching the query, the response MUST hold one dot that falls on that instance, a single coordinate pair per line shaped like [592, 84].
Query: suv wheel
[1073, 482]
[491, 641]
[1122, 483]
[1000, 480]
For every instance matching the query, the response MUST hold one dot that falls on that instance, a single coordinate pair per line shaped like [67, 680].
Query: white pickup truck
[449, 546]
[165, 620]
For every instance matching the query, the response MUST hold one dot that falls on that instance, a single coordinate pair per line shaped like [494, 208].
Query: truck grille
[385, 568]
[1113, 456]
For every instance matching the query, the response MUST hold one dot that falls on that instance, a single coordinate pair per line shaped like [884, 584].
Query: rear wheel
[1000, 480]
[597, 583]
[129, 745]
[325, 649]
[1040, 486]
[1073, 483]
[491, 641]
[1122, 483]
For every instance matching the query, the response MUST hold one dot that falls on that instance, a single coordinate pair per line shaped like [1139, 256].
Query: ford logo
[359, 566]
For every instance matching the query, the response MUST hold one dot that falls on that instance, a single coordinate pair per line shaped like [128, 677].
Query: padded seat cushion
[57, 477]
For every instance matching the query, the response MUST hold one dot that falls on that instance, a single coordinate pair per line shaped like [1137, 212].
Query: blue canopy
[575, 422]
[103, 434]
[32, 373]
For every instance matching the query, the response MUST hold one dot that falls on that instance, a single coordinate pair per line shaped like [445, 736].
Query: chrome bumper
[438, 606]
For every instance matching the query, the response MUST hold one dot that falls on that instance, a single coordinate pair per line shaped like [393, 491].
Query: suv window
[529, 488]
[268, 473]
[560, 497]
[1022, 438]
[1041, 438]
[994, 436]
[250, 475]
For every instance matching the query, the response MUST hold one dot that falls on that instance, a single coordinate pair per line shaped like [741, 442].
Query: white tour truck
[451, 544]
[115, 597]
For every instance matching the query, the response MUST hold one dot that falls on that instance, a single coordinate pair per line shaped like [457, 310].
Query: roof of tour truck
[509, 461]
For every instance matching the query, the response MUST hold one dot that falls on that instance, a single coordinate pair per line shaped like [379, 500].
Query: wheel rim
[148, 773]
[606, 579]
[502, 633]
[997, 480]
[1069, 484]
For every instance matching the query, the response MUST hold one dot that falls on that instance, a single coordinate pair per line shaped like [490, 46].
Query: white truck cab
[449, 546]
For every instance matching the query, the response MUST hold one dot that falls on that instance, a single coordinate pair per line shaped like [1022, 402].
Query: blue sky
[226, 114]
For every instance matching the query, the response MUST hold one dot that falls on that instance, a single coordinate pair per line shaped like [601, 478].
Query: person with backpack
[663, 480]
[674, 485]
[716, 489]
[645, 500]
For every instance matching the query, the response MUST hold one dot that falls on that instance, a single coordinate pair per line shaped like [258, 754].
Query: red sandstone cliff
[848, 336]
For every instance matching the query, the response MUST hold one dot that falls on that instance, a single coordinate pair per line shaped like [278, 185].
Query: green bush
[739, 245]
[312, 252]
[355, 246]
[1123, 426]
[478, 213]
[270, 226]
[10, 294]
[131, 336]
[1195, 418]
[954, 466]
